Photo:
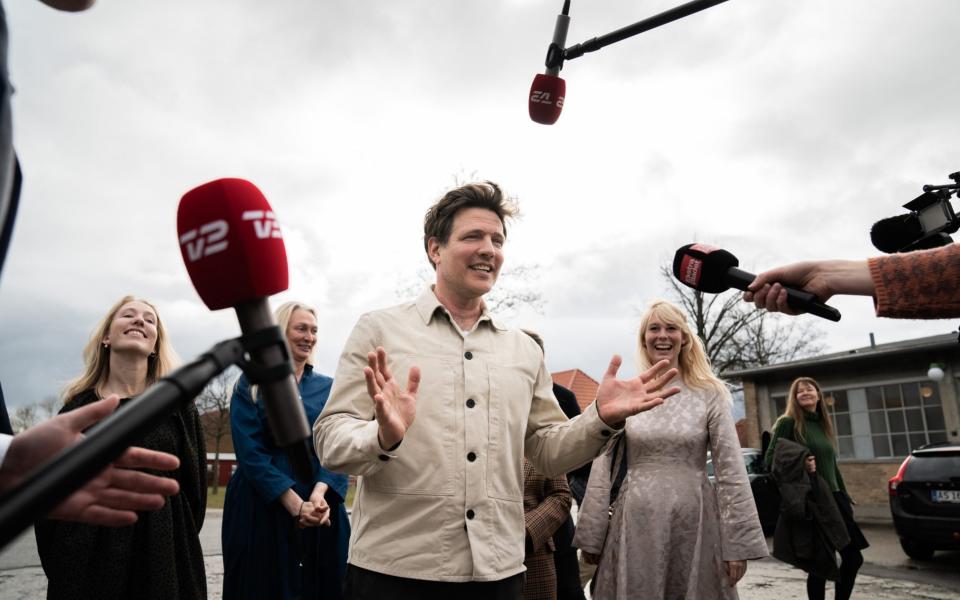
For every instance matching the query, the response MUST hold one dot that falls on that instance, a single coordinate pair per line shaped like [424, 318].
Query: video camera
[928, 224]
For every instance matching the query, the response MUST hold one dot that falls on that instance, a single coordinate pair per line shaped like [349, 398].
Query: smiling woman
[283, 538]
[668, 533]
[159, 556]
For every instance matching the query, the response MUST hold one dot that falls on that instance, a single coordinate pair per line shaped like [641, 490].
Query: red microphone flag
[231, 243]
[546, 98]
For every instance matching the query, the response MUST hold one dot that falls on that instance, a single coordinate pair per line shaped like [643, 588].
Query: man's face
[469, 263]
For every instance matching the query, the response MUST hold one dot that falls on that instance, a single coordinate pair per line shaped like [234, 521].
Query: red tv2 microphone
[233, 250]
[547, 91]
[712, 270]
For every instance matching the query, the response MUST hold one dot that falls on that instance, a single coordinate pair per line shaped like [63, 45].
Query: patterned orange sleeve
[918, 285]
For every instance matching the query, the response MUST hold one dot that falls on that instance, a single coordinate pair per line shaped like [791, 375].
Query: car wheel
[917, 550]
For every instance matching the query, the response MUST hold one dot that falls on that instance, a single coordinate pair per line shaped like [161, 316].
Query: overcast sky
[780, 130]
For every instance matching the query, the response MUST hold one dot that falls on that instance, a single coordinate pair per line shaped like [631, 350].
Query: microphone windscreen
[703, 267]
[546, 98]
[231, 243]
[895, 233]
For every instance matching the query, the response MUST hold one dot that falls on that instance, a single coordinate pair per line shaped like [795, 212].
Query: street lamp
[935, 372]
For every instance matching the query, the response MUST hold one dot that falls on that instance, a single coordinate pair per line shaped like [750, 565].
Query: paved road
[887, 575]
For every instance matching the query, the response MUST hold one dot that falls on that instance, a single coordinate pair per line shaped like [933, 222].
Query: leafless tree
[24, 417]
[516, 287]
[213, 403]
[736, 335]
[48, 407]
[774, 338]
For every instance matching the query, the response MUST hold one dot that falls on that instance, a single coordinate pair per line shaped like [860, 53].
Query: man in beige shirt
[439, 509]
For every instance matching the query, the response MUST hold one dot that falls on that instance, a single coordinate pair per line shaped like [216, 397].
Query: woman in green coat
[807, 421]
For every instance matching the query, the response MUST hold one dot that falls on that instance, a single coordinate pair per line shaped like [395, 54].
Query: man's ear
[433, 250]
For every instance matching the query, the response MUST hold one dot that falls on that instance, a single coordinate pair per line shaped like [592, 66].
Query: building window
[887, 421]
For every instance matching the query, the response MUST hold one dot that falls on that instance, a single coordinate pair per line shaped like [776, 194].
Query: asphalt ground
[886, 574]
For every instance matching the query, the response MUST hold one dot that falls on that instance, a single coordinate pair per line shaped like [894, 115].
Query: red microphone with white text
[548, 89]
[714, 270]
[233, 250]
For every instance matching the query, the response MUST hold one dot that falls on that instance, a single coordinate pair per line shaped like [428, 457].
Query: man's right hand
[395, 409]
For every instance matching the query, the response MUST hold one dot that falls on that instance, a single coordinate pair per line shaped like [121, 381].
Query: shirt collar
[428, 305]
[307, 372]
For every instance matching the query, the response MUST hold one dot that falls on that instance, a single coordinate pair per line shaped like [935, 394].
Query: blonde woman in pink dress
[670, 533]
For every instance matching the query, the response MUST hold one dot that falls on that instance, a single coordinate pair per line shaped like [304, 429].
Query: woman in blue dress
[283, 539]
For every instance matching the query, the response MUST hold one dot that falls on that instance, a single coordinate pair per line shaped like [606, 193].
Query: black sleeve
[567, 400]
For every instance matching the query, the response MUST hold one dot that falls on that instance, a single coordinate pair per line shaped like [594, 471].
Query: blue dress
[264, 554]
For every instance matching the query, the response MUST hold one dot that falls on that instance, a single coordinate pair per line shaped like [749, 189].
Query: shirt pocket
[423, 462]
[511, 392]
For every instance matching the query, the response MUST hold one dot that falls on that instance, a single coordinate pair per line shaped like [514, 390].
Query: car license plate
[946, 495]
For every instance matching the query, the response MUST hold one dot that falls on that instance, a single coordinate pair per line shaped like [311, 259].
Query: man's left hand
[618, 399]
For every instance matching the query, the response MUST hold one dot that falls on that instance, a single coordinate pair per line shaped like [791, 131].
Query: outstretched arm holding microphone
[917, 285]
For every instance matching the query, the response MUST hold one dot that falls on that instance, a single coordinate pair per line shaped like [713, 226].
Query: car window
[933, 467]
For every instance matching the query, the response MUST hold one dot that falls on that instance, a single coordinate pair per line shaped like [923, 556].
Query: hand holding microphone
[712, 270]
[823, 279]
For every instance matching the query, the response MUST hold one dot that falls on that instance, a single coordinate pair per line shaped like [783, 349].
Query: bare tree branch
[516, 287]
[213, 404]
[24, 417]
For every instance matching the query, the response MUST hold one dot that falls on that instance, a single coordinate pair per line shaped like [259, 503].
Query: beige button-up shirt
[447, 504]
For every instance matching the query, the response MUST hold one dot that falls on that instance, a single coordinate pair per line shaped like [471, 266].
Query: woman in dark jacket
[159, 557]
[810, 528]
[807, 422]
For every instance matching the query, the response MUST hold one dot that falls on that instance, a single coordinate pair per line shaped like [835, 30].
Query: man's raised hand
[618, 399]
[395, 408]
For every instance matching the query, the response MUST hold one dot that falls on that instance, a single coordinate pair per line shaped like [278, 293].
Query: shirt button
[468, 355]
[471, 456]
[471, 403]
[383, 457]
[471, 514]
[605, 433]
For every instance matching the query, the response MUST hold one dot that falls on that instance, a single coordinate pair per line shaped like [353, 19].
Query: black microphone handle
[797, 299]
[281, 398]
[53, 481]
[667, 16]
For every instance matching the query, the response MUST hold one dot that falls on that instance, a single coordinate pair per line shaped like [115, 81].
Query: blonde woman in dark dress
[158, 557]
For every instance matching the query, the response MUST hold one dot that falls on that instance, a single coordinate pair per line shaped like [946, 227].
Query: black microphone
[713, 270]
[893, 234]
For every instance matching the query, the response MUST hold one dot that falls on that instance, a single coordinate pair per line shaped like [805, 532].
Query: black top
[159, 557]
[578, 477]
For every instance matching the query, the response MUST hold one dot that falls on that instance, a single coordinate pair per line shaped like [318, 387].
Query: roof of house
[946, 341]
[581, 384]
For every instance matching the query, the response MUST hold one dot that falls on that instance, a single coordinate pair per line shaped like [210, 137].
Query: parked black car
[765, 493]
[925, 500]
